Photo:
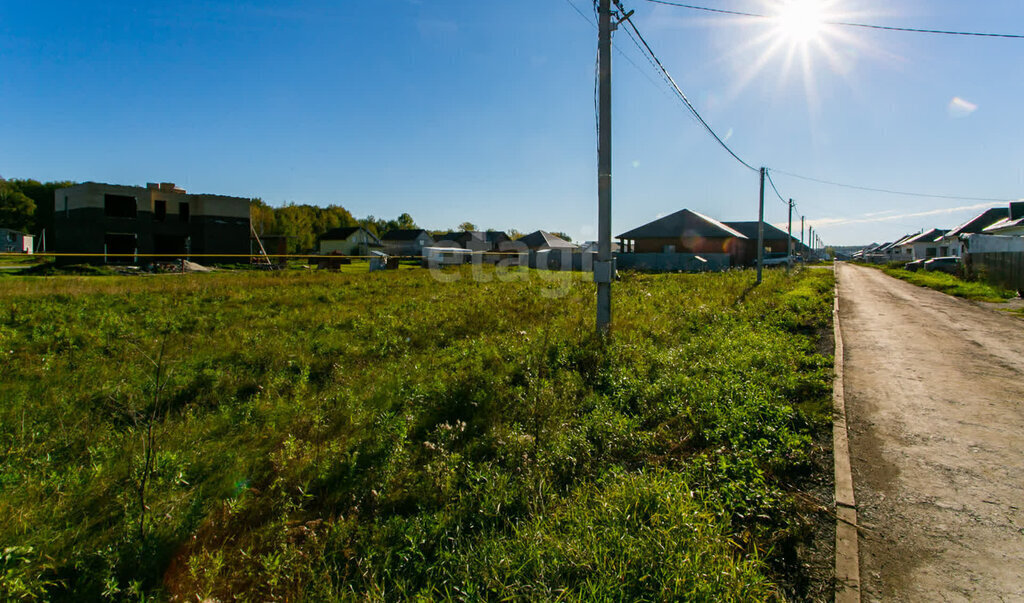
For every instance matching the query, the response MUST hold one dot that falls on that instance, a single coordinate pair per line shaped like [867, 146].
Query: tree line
[27, 205]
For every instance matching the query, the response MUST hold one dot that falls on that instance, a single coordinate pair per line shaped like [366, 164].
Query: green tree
[405, 222]
[467, 226]
[42, 194]
[262, 217]
[562, 235]
[17, 210]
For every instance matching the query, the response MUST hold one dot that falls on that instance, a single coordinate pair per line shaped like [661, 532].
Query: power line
[577, 9]
[683, 97]
[845, 23]
[768, 174]
[617, 49]
[889, 191]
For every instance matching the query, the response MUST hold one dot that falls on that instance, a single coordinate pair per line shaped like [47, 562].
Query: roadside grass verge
[294, 436]
[951, 285]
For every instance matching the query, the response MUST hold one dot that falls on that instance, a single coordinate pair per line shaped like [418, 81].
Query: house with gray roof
[924, 245]
[951, 243]
[406, 241]
[540, 240]
[1012, 224]
[688, 232]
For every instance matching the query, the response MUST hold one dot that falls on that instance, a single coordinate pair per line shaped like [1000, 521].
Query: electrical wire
[889, 191]
[845, 23]
[768, 175]
[617, 49]
[682, 95]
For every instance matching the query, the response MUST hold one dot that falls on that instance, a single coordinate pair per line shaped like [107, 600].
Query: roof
[342, 234]
[491, 236]
[404, 234]
[904, 240]
[1004, 224]
[980, 222]
[927, 236]
[749, 230]
[682, 223]
[540, 240]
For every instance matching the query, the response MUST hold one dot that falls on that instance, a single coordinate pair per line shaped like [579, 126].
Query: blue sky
[479, 110]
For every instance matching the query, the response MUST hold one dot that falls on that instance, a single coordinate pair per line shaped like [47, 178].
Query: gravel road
[935, 405]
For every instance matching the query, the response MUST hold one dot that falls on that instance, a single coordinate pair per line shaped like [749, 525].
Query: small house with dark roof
[775, 239]
[923, 245]
[350, 240]
[446, 240]
[686, 231]
[541, 240]
[407, 242]
[896, 252]
[478, 240]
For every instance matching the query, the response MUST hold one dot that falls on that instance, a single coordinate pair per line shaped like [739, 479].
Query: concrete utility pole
[760, 231]
[801, 235]
[603, 266]
[789, 238]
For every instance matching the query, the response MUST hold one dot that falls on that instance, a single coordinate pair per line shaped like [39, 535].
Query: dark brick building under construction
[126, 224]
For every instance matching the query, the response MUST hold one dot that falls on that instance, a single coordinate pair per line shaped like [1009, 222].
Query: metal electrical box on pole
[603, 267]
[760, 231]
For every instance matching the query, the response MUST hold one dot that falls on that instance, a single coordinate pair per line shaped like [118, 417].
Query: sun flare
[801, 21]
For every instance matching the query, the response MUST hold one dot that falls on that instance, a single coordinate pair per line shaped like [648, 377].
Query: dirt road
[935, 407]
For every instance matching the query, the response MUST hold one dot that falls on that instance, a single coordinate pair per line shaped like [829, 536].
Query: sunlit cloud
[871, 218]
[959, 107]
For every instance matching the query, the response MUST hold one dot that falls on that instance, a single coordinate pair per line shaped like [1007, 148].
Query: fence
[1003, 269]
[673, 262]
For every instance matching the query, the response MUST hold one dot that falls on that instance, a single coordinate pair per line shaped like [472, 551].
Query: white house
[923, 245]
[898, 250]
[952, 242]
[13, 241]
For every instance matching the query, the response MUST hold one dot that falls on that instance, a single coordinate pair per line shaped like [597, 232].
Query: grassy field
[951, 285]
[293, 436]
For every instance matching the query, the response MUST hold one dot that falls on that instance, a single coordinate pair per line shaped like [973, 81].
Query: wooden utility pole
[603, 267]
[760, 231]
[789, 238]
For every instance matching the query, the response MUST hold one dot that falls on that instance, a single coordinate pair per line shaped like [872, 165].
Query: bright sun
[801, 21]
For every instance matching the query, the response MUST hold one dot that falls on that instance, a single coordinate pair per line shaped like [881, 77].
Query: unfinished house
[158, 222]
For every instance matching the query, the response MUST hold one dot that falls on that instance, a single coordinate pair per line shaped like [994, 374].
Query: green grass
[21, 259]
[386, 436]
[951, 285]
